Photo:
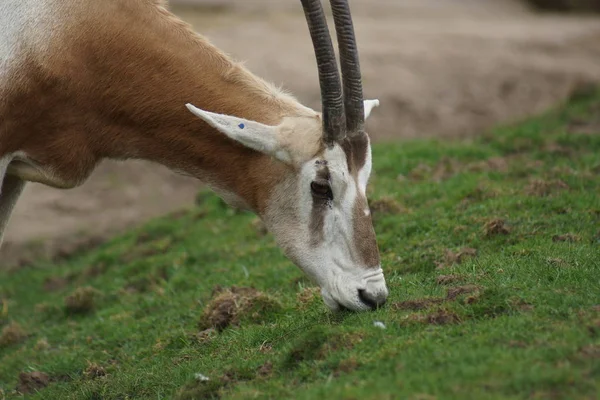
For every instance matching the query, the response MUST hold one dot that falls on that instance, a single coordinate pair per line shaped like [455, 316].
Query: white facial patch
[365, 172]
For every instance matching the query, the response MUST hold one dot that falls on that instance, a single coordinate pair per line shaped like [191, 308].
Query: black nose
[373, 301]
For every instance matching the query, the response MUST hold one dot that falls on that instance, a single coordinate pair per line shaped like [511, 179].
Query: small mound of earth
[12, 334]
[386, 205]
[236, 304]
[94, 371]
[495, 227]
[81, 301]
[32, 382]
[543, 188]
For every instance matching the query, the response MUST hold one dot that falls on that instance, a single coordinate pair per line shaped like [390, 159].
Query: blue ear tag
[241, 126]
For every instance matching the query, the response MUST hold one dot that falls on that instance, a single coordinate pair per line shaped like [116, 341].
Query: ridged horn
[334, 121]
[349, 60]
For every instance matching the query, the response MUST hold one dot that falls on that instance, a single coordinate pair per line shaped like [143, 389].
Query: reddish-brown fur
[115, 86]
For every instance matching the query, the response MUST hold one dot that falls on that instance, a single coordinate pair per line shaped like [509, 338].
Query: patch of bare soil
[440, 68]
[591, 351]
[11, 334]
[451, 257]
[543, 188]
[496, 226]
[231, 306]
[567, 237]
[308, 296]
[30, 382]
[452, 294]
[448, 279]
[83, 300]
[265, 370]
[386, 205]
[94, 371]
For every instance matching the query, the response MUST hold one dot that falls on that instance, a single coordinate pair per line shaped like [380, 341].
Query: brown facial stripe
[319, 208]
[356, 152]
[364, 235]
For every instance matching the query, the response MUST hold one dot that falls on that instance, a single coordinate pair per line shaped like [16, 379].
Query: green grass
[526, 326]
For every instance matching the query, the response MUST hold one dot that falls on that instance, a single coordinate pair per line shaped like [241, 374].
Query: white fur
[333, 264]
[257, 136]
[27, 24]
[369, 105]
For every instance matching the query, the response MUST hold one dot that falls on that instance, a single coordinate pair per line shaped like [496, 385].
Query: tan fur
[114, 83]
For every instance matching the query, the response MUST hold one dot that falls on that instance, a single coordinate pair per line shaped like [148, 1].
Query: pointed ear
[369, 106]
[252, 134]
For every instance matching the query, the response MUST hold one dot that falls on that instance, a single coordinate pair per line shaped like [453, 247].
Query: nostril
[372, 301]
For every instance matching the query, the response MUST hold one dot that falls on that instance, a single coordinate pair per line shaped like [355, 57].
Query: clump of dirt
[55, 283]
[585, 126]
[481, 192]
[236, 304]
[493, 164]
[456, 291]
[41, 345]
[420, 304]
[239, 374]
[448, 279]
[82, 300]
[420, 172]
[555, 148]
[442, 317]
[95, 270]
[308, 296]
[557, 262]
[591, 351]
[445, 169]
[494, 227]
[437, 317]
[544, 188]
[32, 382]
[11, 334]
[452, 294]
[386, 205]
[457, 258]
[206, 335]
[567, 237]
[148, 249]
[451, 258]
[93, 371]
[259, 227]
[346, 366]
[265, 370]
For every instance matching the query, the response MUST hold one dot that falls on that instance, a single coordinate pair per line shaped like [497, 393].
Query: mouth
[369, 302]
[362, 302]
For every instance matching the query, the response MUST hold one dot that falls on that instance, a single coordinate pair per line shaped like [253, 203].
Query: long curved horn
[353, 93]
[334, 121]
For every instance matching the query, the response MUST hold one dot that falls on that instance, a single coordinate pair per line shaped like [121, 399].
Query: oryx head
[318, 212]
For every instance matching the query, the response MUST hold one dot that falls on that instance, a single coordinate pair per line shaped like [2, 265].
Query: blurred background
[441, 68]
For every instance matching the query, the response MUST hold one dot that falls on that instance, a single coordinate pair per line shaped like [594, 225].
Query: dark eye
[321, 188]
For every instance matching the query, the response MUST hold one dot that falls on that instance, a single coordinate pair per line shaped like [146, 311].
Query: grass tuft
[235, 305]
[11, 334]
[81, 301]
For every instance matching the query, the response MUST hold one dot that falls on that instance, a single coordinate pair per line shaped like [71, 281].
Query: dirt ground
[440, 68]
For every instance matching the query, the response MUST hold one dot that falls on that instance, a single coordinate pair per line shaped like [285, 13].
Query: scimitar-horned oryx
[82, 81]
